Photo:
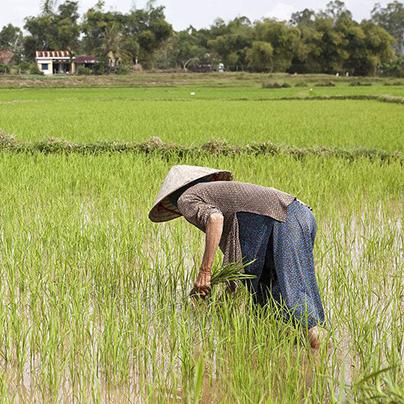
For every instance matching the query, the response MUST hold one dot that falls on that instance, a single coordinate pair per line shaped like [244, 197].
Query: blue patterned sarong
[284, 263]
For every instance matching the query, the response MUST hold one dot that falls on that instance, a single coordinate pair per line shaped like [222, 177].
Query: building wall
[43, 62]
[49, 62]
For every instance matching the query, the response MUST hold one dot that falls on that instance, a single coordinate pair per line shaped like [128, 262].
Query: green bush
[357, 83]
[99, 68]
[123, 69]
[275, 84]
[394, 69]
[325, 84]
[4, 69]
[393, 83]
[84, 71]
[301, 84]
[34, 69]
[24, 67]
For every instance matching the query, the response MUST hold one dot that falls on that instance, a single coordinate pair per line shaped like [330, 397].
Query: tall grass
[95, 298]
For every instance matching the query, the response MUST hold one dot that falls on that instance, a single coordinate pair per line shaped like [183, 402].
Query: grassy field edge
[157, 147]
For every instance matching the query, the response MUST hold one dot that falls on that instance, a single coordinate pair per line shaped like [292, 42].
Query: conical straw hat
[178, 177]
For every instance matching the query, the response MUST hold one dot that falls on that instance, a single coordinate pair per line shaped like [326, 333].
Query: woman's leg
[293, 242]
[254, 232]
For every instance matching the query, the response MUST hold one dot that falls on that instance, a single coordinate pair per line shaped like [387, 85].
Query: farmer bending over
[249, 223]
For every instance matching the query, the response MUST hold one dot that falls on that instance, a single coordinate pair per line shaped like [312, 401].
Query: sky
[201, 13]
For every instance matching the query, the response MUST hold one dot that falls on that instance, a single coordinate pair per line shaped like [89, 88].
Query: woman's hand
[202, 284]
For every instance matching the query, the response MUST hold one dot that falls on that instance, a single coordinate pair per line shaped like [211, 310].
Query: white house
[55, 62]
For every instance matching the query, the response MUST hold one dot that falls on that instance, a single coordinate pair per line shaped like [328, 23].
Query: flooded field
[95, 302]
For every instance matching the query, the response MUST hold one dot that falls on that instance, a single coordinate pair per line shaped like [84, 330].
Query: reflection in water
[176, 351]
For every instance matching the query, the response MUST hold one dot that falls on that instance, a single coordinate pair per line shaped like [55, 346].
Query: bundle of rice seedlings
[230, 273]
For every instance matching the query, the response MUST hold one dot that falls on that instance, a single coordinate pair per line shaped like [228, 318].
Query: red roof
[86, 59]
[52, 54]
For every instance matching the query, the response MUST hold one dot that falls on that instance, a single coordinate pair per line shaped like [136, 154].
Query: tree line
[327, 41]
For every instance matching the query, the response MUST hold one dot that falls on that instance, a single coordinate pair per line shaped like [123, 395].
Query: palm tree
[112, 47]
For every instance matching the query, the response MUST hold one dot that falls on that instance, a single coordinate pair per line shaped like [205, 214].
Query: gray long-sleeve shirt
[200, 201]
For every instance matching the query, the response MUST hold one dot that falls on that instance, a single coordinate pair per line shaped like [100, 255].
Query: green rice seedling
[91, 116]
[95, 298]
[230, 273]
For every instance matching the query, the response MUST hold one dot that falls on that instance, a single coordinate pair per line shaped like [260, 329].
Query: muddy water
[349, 245]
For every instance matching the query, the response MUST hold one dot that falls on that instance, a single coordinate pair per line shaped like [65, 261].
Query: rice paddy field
[95, 300]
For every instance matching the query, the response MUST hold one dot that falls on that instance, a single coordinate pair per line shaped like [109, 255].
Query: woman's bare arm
[214, 229]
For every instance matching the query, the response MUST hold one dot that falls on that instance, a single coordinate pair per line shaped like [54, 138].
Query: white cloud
[182, 13]
[281, 11]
